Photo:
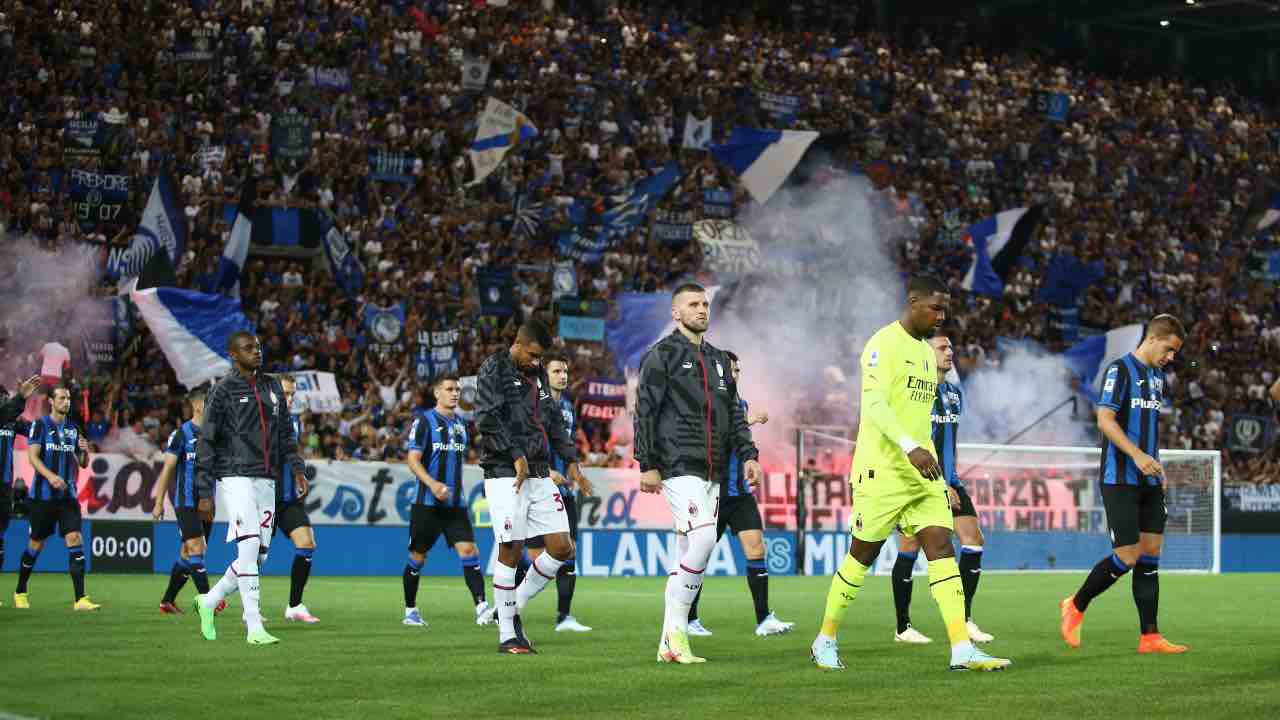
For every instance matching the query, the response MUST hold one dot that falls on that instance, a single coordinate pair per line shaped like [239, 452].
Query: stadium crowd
[1143, 184]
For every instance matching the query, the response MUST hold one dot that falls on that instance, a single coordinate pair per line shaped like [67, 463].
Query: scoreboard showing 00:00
[118, 546]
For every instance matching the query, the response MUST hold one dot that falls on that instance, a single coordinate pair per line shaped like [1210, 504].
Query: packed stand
[1144, 182]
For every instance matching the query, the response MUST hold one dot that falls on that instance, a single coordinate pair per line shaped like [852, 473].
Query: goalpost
[1039, 506]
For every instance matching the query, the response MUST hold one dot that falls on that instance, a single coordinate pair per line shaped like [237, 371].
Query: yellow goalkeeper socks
[948, 592]
[844, 588]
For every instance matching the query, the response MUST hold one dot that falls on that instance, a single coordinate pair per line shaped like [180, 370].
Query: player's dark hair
[733, 356]
[198, 394]
[533, 331]
[1164, 326]
[235, 337]
[442, 379]
[556, 356]
[920, 285]
[686, 287]
[62, 386]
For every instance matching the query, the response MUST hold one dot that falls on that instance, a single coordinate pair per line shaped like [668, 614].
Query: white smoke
[831, 282]
[48, 299]
[1005, 400]
[800, 331]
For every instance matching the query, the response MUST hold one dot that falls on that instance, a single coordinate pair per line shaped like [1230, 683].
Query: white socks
[683, 586]
[225, 587]
[504, 596]
[541, 571]
[246, 568]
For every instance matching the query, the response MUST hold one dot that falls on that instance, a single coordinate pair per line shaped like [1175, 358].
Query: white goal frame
[1093, 453]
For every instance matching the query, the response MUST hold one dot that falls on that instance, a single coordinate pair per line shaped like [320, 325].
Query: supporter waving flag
[998, 242]
[500, 128]
[237, 249]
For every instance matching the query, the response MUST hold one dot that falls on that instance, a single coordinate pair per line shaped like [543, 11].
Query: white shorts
[250, 505]
[536, 510]
[694, 502]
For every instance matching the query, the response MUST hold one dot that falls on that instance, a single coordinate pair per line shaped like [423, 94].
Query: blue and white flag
[385, 324]
[344, 262]
[697, 133]
[763, 159]
[227, 280]
[501, 127]
[623, 219]
[642, 320]
[192, 329]
[998, 242]
[1090, 357]
[161, 230]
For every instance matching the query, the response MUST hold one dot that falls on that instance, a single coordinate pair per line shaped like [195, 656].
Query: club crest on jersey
[953, 397]
[719, 368]
[693, 509]
[874, 359]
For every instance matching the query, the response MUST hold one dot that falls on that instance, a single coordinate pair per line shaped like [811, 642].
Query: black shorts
[966, 508]
[291, 516]
[737, 514]
[427, 522]
[1133, 509]
[46, 515]
[571, 508]
[192, 524]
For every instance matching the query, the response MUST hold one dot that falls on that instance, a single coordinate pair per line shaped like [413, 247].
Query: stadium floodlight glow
[1191, 2]
[1164, 23]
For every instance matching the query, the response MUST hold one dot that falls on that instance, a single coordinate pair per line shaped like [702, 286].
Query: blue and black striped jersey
[571, 425]
[442, 440]
[7, 434]
[286, 488]
[947, 408]
[1136, 392]
[58, 442]
[182, 445]
[736, 483]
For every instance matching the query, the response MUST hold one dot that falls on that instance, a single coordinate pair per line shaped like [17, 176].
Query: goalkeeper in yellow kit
[896, 479]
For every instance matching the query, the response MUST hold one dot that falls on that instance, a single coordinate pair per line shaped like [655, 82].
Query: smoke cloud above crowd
[831, 279]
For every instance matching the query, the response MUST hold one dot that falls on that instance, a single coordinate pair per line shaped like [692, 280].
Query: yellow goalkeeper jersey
[901, 371]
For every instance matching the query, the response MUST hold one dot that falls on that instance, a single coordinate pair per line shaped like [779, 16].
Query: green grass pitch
[128, 661]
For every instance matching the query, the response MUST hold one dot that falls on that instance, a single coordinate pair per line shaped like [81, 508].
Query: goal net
[1040, 507]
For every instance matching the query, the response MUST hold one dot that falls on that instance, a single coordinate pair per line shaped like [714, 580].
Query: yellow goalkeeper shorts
[883, 501]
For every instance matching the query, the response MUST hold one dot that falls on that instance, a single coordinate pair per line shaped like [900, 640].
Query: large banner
[673, 227]
[601, 399]
[392, 167]
[91, 137]
[98, 197]
[195, 44]
[291, 141]
[727, 248]
[318, 391]
[782, 108]
[117, 487]
[1249, 433]
[329, 78]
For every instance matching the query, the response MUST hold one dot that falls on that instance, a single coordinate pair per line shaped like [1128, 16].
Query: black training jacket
[687, 417]
[11, 406]
[247, 431]
[516, 417]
